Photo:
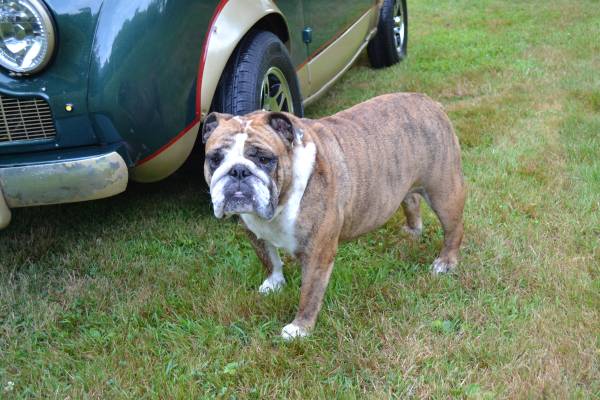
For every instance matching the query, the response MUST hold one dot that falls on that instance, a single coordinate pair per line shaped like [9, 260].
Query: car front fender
[154, 69]
[226, 31]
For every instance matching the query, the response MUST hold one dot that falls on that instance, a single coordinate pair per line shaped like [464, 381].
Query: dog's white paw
[272, 284]
[441, 267]
[293, 331]
[413, 232]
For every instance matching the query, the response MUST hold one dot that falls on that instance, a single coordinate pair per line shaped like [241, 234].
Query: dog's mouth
[239, 203]
[249, 196]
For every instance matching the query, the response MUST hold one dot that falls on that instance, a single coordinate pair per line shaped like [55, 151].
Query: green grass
[148, 295]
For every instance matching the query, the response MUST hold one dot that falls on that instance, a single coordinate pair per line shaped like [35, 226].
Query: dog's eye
[214, 160]
[263, 159]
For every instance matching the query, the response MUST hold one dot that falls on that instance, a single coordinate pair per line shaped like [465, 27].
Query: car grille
[25, 119]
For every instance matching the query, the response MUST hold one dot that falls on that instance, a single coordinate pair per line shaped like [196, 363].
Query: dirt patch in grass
[480, 121]
[589, 99]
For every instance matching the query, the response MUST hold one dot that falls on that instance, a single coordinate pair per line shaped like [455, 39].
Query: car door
[334, 32]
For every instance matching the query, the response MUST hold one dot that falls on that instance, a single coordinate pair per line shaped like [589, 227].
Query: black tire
[260, 58]
[388, 46]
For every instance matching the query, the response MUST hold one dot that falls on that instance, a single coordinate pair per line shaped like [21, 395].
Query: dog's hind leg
[412, 210]
[447, 201]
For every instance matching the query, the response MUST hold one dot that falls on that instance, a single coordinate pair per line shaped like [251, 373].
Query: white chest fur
[280, 230]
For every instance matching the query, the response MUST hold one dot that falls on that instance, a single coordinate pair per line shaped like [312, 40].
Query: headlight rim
[50, 36]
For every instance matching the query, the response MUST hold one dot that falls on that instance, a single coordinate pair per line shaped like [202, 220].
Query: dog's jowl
[304, 185]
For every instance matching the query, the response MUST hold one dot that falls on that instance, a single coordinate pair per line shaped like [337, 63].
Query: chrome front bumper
[4, 212]
[82, 179]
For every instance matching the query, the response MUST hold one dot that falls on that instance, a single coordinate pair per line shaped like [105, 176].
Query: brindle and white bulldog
[305, 185]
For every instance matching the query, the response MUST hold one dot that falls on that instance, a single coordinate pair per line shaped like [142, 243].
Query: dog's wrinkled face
[246, 160]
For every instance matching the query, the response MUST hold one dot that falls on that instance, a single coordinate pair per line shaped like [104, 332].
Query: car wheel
[388, 46]
[259, 75]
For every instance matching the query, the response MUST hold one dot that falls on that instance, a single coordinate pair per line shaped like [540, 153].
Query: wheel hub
[398, 27]
[275, 92]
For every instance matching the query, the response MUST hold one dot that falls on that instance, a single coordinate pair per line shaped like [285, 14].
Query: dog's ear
[211, 122]
[284, 127]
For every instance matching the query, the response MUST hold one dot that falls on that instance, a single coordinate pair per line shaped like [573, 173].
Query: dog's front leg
[269, 257]
[316, 270]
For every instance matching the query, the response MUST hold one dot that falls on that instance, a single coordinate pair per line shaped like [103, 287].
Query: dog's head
[248, 161]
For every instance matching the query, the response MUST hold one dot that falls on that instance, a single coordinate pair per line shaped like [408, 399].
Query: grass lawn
[147, 295]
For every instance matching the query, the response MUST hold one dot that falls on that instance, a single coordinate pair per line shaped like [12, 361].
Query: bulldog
[304, 185]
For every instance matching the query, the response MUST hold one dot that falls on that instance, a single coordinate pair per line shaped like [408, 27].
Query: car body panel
[328, 22]
[167, 159]
[328, 65]
[328, 19]
[142, 87]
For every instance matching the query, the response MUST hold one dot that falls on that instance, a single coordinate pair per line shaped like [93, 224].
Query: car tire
[259, 75]
[388, 46]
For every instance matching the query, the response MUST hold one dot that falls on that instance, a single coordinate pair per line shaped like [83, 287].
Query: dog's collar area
[298, 136]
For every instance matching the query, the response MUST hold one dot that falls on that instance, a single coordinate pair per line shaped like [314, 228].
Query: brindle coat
[370, 160]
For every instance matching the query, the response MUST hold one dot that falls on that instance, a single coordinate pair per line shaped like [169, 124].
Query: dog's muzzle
[241, 192]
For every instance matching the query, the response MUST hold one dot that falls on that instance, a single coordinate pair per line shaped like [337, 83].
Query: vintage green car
[96, 92]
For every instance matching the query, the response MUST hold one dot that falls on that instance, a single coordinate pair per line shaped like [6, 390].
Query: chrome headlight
[26, 35]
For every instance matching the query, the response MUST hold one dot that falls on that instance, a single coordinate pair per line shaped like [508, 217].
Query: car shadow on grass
[60, 228]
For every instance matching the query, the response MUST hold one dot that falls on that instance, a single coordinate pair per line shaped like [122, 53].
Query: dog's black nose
[240, 171]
